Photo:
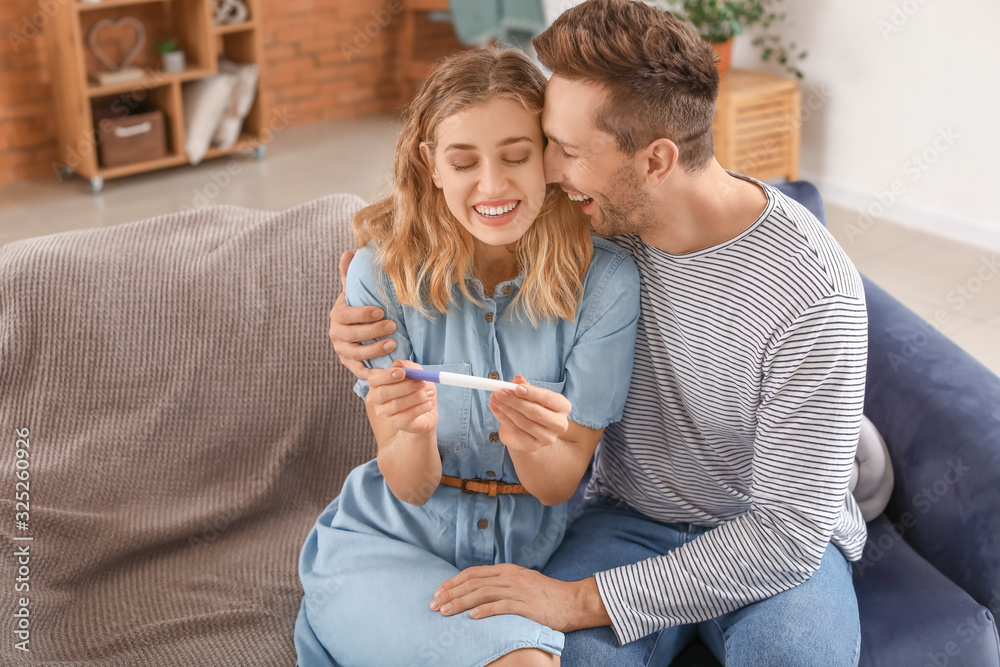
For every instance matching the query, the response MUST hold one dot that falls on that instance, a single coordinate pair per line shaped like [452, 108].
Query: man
[719, 504]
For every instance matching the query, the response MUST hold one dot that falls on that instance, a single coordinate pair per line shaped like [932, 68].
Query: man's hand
[349, 325]
[530, 417]
[490, 590]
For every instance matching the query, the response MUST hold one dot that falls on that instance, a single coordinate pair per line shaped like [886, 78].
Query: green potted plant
[173, 59]
[719, 21]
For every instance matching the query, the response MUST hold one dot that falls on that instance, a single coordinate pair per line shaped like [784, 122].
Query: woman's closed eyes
[466, 167]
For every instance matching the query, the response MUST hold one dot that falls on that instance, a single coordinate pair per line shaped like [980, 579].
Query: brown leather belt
[490, 487]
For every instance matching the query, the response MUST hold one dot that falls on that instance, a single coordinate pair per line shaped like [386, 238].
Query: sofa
[928, 583]
[178, 419]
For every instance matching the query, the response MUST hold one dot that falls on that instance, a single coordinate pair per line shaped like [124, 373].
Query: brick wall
[323, 60]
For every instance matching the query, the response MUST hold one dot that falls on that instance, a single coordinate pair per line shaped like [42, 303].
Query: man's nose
[550, 163]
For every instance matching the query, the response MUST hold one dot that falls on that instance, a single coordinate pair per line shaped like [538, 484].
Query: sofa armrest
[939, 412]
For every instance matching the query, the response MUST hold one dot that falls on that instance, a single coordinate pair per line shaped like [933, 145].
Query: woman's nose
[494, 180]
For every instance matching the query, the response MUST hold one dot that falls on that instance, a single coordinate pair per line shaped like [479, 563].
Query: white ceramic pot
[173, 61]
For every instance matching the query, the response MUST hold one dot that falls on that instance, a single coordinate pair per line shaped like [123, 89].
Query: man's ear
[427, 155]
[658, 159]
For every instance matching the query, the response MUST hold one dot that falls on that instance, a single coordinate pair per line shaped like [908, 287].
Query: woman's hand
[531, 418]
[406, 405]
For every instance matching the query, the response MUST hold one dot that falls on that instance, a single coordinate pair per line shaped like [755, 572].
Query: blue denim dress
[371, 563]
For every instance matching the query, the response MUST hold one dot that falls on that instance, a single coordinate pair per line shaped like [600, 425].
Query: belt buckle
[463, 486]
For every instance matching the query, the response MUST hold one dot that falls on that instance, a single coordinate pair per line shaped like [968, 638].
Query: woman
[485, 271]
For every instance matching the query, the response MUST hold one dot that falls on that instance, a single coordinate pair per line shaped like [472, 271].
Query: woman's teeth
[493, 211]
[584, 198]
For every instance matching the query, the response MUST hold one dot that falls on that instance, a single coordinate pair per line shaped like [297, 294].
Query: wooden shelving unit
[411, 70]
[105, 4]
[757, 125]
[202, 42]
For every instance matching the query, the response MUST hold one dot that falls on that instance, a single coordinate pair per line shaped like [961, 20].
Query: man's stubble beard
[627, 208]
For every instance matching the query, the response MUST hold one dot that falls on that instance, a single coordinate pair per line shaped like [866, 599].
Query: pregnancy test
[458, 380]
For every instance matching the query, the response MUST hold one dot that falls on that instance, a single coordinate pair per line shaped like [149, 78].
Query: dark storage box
[134, 138]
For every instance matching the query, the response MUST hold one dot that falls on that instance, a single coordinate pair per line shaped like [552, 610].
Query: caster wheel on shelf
[96, 185]
[66, 173]
[259, 152]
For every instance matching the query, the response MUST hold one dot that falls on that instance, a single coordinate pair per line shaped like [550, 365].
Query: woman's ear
[427, 155]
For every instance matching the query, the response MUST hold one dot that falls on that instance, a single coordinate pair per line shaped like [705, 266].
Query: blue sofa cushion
[911, 614]
[939, 412]
[806, 194]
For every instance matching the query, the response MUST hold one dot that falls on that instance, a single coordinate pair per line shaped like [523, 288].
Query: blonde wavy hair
[420, 244]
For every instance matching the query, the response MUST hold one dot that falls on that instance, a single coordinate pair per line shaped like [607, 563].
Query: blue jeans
[815, 623]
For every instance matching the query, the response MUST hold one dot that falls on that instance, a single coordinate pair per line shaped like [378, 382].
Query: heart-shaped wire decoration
[103, 24]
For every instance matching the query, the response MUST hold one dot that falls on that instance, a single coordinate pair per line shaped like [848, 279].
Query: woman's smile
[497, 213]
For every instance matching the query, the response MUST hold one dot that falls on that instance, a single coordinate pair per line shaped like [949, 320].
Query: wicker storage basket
[135, 138]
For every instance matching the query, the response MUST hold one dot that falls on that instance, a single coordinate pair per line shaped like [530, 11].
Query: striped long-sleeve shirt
[743, 413]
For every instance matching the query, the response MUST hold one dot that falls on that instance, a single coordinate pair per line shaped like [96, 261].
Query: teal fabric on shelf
[512, 22]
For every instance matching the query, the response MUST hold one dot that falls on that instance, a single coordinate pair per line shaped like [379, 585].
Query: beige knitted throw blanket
[175, 410]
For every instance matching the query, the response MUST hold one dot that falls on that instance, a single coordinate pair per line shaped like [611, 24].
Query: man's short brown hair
[659, 74]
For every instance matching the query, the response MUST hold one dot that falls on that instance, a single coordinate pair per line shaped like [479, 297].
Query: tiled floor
[302, 163]
[955, 286]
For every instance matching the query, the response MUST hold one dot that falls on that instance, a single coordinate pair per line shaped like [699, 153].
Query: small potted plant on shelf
[719, 21]
[173, 59]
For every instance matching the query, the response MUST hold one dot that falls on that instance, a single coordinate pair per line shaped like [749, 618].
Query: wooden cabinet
[77, 93]
[411, 69]
[757, 125]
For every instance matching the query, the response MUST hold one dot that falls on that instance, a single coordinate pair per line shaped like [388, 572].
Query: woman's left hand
[530, 417]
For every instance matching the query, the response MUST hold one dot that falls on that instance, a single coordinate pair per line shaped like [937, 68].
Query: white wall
[901, 95]
[898, 94]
